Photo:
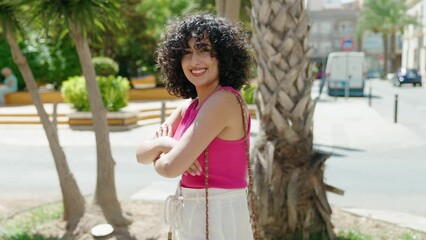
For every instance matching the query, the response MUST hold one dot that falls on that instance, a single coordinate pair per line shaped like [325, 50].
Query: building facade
[334, 28]
[414, 46]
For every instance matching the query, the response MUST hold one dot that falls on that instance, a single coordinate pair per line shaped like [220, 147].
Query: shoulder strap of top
[188, 108]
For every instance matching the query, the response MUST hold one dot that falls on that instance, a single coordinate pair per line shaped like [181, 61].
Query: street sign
[347, 44]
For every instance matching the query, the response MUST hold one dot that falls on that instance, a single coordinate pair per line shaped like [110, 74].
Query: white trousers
[229, 217]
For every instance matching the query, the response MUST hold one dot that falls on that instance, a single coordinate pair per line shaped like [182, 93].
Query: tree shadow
[332, 150]
[339, 147]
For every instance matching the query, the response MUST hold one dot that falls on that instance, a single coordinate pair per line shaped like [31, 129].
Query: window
[325, 46]
[325, 28]
[345, 27]
[315, 28]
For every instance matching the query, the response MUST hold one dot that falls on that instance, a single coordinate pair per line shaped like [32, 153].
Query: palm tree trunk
[229, 9]
[385, 53]
[288, 174]
[393, 52]
[105, 194]
[73, 200]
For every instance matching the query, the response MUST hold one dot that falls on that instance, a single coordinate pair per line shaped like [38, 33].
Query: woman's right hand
[165, 133]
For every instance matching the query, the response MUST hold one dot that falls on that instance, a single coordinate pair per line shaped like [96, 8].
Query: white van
[345, 73]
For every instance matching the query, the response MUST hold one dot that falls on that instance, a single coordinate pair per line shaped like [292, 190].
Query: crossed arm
[172, 158]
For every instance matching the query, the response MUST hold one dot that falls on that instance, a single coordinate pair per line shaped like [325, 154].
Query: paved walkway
[379, 164]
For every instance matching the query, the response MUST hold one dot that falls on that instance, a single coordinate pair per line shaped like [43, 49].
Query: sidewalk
[361, 142]
[355, 134]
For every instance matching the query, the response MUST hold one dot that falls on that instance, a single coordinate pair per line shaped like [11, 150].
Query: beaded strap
[206, 172]
[250, 183]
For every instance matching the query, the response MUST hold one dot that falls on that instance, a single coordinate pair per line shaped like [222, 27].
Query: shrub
[248, 94]
[114, 92]
[105, 66]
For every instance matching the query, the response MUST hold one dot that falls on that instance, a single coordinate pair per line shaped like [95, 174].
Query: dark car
[403, 76]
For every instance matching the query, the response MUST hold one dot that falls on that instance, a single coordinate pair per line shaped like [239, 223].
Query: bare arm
[216, 116]
[149, 150]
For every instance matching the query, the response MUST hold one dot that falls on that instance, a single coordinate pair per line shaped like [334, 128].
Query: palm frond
[9, 10]
[385, 16]
[91, 15]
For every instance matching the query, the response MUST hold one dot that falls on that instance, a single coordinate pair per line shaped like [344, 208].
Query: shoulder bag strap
[250, 175]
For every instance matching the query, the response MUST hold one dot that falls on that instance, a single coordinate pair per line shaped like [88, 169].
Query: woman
[206, 59]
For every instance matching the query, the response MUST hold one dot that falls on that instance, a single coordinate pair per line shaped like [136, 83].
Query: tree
[72, 198]
[82, 17]
[288, 173]
[133, 46]
[388, 18]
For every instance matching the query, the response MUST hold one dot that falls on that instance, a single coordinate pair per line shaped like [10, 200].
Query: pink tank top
[227, 159]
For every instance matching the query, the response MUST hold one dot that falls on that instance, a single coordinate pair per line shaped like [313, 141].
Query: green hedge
[114, 92]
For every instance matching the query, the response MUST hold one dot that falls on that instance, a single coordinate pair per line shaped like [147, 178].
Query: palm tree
[72, 198]
[82, 17]
[288, 174]
[388, 18]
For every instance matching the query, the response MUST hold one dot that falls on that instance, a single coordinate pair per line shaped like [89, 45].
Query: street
[411, 103]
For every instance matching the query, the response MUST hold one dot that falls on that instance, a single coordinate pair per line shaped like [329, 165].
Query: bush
[248, 94]
[105, 66]
[114, 92]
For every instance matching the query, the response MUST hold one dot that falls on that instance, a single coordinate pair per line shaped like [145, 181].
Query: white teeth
[198, 71]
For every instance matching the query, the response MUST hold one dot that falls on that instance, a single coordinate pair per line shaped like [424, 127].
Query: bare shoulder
[226, 110]
[224, 106]
[224, 100]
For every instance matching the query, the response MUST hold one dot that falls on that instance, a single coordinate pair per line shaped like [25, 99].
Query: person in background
[205, 59]
[10, 83]
[314, 70]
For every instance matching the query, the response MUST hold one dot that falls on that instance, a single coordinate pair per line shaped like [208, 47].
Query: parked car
[404, 76]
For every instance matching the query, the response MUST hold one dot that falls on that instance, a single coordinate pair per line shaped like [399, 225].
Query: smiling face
[199, 67]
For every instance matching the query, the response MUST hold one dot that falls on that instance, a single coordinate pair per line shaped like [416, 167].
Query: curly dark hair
[229, 45]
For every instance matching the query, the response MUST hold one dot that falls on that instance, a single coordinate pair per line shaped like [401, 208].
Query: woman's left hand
[194, 169]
